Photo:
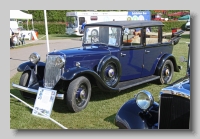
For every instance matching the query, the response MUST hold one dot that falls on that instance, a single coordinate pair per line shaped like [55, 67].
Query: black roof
[128, 24]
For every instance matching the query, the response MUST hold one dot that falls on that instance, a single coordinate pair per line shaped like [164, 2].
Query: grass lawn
[101, 110]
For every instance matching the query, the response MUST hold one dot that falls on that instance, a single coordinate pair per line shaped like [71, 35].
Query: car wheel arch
[162, 61]
[106, 60]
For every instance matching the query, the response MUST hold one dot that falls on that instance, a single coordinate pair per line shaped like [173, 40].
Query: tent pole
[32, 24]
[47, 37]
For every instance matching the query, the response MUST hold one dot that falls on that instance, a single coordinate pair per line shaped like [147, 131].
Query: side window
[81, 20]
[152, 35]
[133, 37]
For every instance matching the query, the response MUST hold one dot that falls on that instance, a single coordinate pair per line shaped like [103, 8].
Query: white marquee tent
[17, 14]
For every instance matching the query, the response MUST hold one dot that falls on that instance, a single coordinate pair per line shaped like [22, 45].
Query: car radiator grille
[174, 112]
[52, 73]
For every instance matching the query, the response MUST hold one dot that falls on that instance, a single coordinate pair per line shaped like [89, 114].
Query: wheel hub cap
[82, 94]
[167, 72]
[111, 73]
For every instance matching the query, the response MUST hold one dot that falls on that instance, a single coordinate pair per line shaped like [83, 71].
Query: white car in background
[187, 25]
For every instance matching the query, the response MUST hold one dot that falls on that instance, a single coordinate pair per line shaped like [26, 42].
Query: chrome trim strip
[172, 92]
[33, 91]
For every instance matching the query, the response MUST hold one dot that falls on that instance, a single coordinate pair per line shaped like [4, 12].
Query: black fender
[81, 71]
[129, 116]
[162, 61]
[22, 66]
[33, 81]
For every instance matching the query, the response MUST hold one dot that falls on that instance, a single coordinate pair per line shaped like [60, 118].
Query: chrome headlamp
[34, 58]
[59, 62]
[144, 99]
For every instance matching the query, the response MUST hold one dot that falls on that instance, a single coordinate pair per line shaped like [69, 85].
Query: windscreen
[107, 35]
[72, 22]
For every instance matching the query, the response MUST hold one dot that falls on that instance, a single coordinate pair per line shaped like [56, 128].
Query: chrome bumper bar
[33, 91]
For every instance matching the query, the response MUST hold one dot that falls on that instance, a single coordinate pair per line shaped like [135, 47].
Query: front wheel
[24, 80]
[166, 73]
[78, 94]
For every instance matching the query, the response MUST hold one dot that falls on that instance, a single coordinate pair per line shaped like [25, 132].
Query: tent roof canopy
[17, 14]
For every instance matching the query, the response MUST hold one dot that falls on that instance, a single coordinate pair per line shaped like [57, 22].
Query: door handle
[123, 54]
[147, 51]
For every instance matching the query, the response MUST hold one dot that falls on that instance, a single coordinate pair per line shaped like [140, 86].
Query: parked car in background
[172, 111]
[114, 58]
[187, 25]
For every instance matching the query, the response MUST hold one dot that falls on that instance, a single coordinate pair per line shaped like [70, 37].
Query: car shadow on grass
[98, 95]
[110, 118]
[60, 106]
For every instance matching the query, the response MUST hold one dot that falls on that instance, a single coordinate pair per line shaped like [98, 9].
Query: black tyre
[78, 94]
[24, 80]
[110, 72]
[94, 32]
[166, 72]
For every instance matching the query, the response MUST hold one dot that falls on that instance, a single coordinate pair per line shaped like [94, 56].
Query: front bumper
[34, 91]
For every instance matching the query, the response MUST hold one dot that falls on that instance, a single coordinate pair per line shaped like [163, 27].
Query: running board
[128, 84]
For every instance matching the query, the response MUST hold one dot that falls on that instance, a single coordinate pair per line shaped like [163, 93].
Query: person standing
[12, 35]
[83, 27]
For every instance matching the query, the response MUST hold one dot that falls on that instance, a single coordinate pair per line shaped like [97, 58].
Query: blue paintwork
[88, 57]
[131, 64]
[152, 57]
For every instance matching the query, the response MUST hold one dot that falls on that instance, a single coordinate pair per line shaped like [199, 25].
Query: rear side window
[133, 38]
[152, 34]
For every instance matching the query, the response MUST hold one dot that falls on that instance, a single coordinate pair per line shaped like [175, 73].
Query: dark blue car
[172, 111]
[119, 55]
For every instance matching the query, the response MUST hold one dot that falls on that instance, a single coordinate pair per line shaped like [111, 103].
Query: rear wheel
[78, 94]
[166, 73]
[24, 80]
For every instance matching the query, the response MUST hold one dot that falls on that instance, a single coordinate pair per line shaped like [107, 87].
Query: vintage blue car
[114, 56]
[172, 112]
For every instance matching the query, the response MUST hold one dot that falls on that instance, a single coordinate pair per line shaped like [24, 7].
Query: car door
[152, 51]
[131, 58]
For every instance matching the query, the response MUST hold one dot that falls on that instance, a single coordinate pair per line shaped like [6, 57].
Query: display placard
[44, 102]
